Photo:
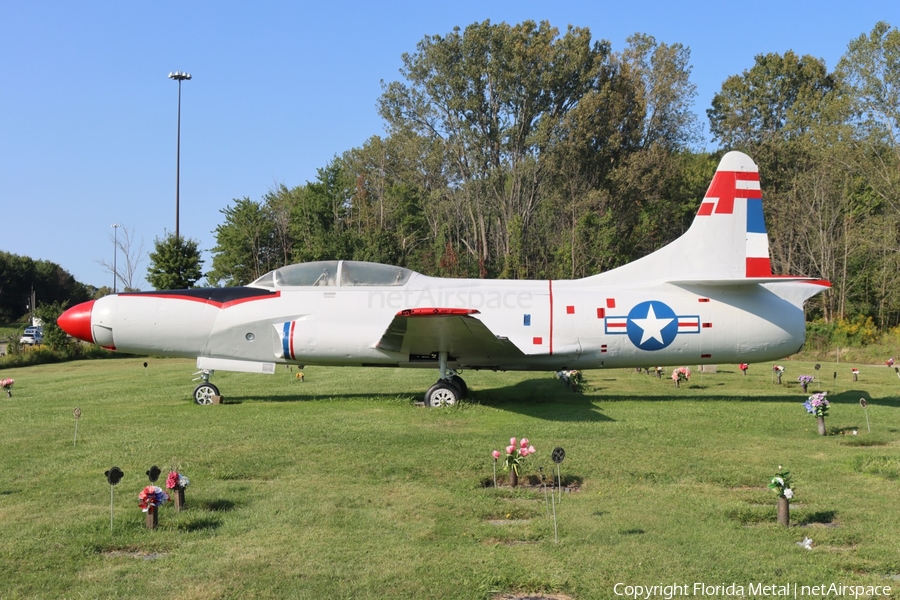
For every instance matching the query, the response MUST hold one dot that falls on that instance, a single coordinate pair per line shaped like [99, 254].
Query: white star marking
[651, 326]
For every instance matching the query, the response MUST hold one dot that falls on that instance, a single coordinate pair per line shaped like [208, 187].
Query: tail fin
[726, 244]
[730, 223]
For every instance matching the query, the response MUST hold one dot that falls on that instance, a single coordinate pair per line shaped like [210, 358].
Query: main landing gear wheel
[442, 393]
[204, 392]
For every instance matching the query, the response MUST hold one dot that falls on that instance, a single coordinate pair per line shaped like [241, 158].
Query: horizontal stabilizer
[746, 280]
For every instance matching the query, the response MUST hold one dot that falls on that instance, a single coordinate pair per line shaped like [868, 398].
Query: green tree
[780, 98]
[620, 155]
[175, 263]
[246, 244]
[54, 338]
[388, 204]
[661, 77]
[320, 211]
[492, 95]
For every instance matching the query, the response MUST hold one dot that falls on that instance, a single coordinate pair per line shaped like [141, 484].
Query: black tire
[442, 394]
[460, 385]
[204, 392]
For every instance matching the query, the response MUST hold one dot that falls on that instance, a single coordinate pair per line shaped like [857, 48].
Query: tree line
[23, 279]
[518, 151]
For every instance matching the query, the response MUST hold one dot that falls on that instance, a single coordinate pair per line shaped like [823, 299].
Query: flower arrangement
[743, 367]
[781, 484]
[778, 370]
[177, 481]
[515, 455]
[574, 379]
[7, 384]
[817, 404]
[805, 380]
[152, 496]
[889, 362]
[681, 374]
[855, 373]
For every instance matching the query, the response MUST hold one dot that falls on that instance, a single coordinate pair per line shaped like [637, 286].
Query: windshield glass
[365, 273]
[325, 273]
[321, 273]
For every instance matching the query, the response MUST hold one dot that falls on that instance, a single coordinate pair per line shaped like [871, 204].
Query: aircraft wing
[423, 331]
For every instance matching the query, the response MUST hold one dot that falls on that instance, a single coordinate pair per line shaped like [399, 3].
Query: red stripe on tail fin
[724, 188]
[759, 267]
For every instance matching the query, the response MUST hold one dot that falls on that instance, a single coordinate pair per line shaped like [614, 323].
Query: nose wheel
[204, 392]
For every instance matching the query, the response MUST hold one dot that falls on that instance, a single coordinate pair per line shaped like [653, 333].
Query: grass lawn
[339, 487]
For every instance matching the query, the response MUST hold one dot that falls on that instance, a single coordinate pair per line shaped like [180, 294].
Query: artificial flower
[817, 405]
[152, 496]
[781, 484]
[515, 455]
[176, 481]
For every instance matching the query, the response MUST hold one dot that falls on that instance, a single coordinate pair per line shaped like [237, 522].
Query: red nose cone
[77, 321]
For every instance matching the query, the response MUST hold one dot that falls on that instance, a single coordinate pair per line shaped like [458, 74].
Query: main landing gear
[204, 392]
[449, 389]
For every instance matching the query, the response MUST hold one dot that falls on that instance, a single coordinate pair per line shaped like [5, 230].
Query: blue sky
[88, 115]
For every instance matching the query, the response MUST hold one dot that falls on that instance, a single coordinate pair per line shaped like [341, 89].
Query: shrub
[819, 335]
[861, 330]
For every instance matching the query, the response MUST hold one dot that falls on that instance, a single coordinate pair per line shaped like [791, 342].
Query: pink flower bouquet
[177, 481]
[515, 455]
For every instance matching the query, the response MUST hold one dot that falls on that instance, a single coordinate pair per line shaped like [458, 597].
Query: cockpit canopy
[343, 273]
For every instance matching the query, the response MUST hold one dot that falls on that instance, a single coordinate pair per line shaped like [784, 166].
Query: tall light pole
[115, 227]
[179, 77]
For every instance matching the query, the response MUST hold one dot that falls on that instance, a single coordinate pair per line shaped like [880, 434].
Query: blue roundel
[652, 325]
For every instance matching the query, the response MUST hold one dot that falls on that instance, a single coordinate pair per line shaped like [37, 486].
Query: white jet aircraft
[708, 297]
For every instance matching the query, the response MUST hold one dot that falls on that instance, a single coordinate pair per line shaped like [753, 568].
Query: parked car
[31, 339]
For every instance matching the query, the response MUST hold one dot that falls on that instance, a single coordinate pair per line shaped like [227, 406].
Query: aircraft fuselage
[555, 324]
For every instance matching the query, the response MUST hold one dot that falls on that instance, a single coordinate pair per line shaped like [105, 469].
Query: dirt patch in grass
[528, 596]
[508, 521]
[499, 542]
[141, 554]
